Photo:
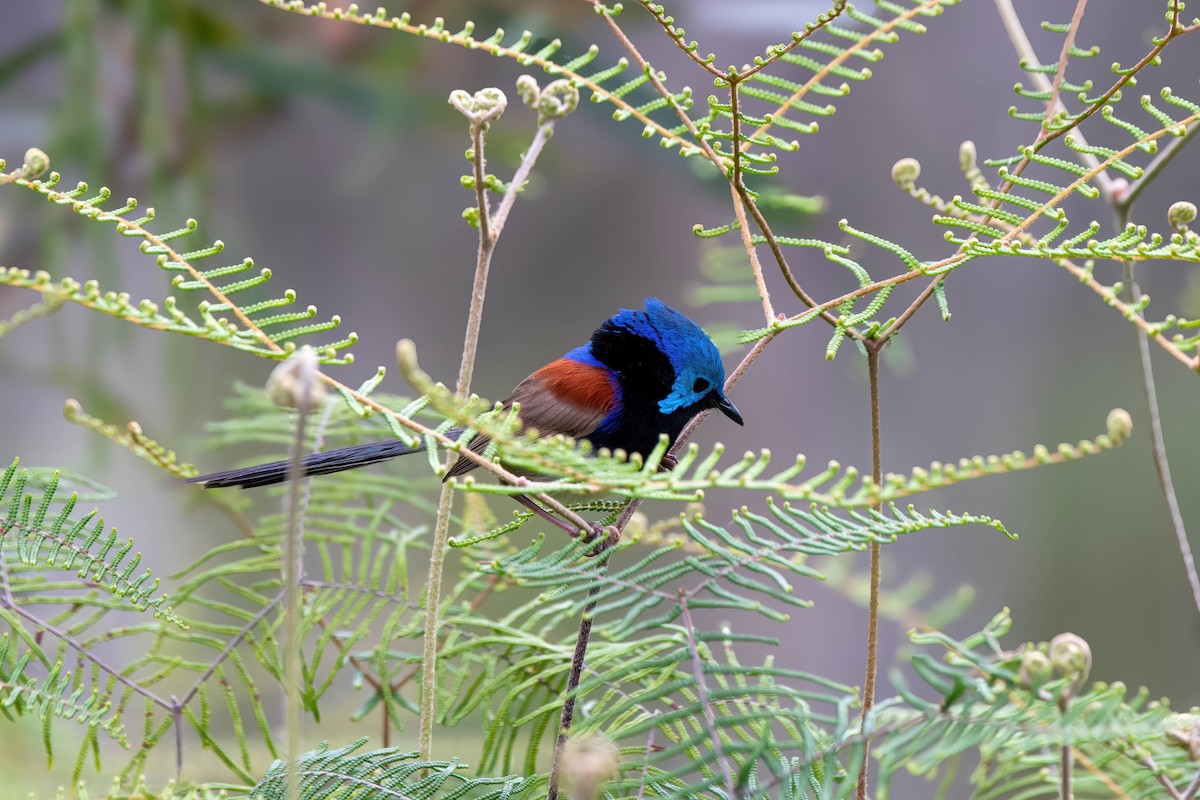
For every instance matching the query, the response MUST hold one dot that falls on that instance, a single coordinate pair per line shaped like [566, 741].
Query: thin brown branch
[710, 717]
[668, 25]
[1053, 104]
[578, 659]
[229, 647]
[489, 237]
[760, 282]
[1124, 203]
[1065, 768]
[786, 269]
[719, 162]
[1123, 212]
[1193, 789]
[874, 347]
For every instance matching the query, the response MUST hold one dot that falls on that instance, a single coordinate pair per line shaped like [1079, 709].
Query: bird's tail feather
[315, 464]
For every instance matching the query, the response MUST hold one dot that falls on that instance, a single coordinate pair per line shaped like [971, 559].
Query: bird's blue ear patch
[693, 356]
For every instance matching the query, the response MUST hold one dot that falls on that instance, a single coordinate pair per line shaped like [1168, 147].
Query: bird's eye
[700, 385]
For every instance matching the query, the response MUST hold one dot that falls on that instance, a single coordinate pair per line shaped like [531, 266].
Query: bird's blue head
[662, 354]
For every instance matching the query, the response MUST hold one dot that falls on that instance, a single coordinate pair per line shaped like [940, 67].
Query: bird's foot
[605, 536]
[668, 463]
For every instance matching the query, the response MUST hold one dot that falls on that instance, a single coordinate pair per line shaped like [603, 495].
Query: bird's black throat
[646, 377]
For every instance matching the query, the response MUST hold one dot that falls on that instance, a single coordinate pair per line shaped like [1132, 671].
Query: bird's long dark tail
[315, 464]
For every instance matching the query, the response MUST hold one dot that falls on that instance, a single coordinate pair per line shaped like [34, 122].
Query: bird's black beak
[728, 409]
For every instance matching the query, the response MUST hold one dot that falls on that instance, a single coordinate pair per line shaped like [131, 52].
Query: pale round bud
[528, 90]
[588, 761]
[1117, 189]
[906, 171]
[1036, 668]
[37, 162]
[558, 99]
[1119, 424]
[1072, 657]
[966, 155]
[483, 107]
[1180, 214]
[295, 382]
[1183, 731]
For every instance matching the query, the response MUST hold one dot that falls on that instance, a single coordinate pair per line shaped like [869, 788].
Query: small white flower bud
[483, 107]
[1117, 189]
[1120, 425]
[967, 156]
[1180, 214]
[1035, 668]
[1072, 658]
[295, 382]
[37, 162]
[528, 90]
[588, 761]
[558, 99]
[905, 172]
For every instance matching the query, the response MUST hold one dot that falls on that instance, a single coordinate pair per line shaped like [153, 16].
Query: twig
[1124, 203]
[1192, 789]
[237, 639]
[1123, 212]
[874, 347]
[1158, 442]
[1054, 104]
[89, 653]
[578, 658]
[485, 109]
[645, 759]
[1024, 48]
[710, 716]
[755, 265]
[1064, 773]
[304, 369]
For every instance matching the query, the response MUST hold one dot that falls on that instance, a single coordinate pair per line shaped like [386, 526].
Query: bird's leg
[610, 534]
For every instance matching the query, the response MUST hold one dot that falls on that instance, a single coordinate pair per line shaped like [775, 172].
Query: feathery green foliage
[258, 327]
[695, 706]
[58, 694]
[35, 539]
[343, 774]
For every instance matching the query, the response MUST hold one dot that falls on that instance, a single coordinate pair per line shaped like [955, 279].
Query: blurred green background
[328, 153]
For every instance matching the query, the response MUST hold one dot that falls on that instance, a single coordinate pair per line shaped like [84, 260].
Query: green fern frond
[755, 554]
[256, 327]
[131, 438]
[781, 100]
[71, 543]
[58, 695]
[50, 305]
[343, 774]
[1020, 717]
[606, 85]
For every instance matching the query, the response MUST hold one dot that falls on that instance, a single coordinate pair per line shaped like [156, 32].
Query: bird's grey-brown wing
[562, 397]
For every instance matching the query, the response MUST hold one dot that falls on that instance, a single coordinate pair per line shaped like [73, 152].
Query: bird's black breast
[645, 375]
